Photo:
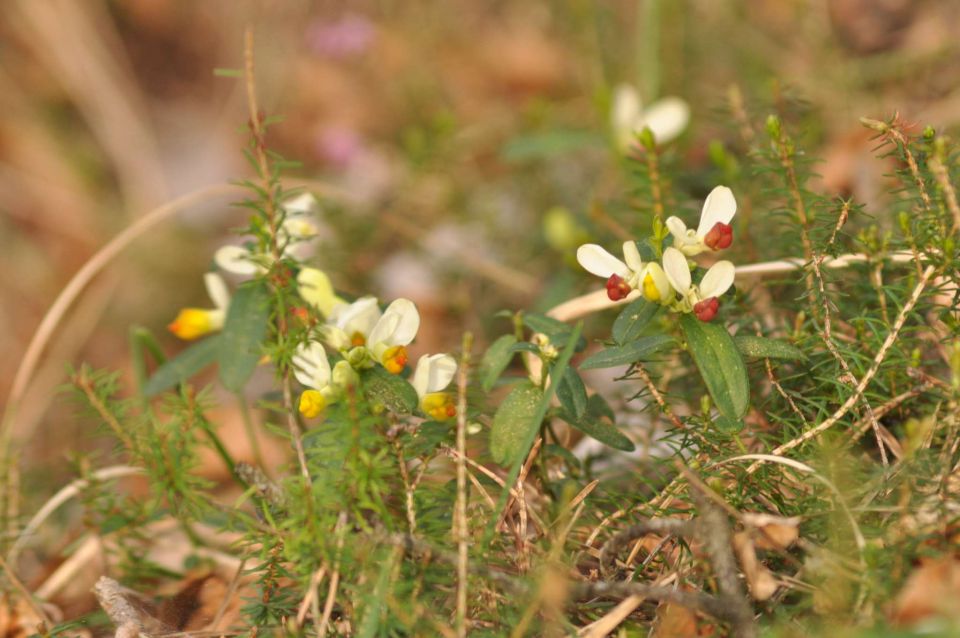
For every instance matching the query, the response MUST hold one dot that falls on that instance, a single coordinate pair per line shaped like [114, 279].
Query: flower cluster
[359, 334]
[364, 336]
[670, 283]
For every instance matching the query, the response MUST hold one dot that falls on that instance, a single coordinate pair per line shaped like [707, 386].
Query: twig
[659, 526]
[877, 361]
[334, 578]
[63, 495]
[460, 532]
[308, 600]
[27, 596]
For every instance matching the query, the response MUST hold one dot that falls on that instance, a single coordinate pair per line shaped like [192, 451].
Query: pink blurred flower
[351, 34]
[339, 146]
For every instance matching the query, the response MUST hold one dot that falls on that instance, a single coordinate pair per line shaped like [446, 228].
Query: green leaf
[183, 366]
[762, 347]
[603, 431]
[390, 390]
[633, 319]
[572, 393]
[720, 365]
[243, 333]
[495, 361]
[725, 424]
[523, 346]
[628, 353]
[598, 407]
[514, 422]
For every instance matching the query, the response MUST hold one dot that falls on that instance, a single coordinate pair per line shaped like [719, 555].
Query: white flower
[296, 227]
[703, 299]
[432, 375]
[192, 323]
[312, 369]
[383, 335]
[714, 231]
[392, 334]
[624, 276]
[666, 118]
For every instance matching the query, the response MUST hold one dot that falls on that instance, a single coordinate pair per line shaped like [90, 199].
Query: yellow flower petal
[395, 359]
[192, 323]
[439, 406]
[312, 403]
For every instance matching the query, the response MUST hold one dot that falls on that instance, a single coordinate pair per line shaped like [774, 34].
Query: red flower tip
[719, 237]
[617, 288]
[707, 309]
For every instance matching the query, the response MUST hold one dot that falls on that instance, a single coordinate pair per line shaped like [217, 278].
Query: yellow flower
[192, 323]
[312, 403]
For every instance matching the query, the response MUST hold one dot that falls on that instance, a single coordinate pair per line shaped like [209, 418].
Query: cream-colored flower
[666, 118]
[297, 226]
[714, 231]
[312, 369]
[315, 288]
[701, 299]
[383, 337]
[432, 375]
[627, 275]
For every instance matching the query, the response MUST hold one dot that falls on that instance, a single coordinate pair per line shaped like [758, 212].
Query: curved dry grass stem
[65, 493]
[51, 320]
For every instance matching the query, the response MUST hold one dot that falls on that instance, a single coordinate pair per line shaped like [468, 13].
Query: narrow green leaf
[720, 365]
[628, 353]
[390, 390]
[763, 347]
[243, 333]
[523, 346]
[228, 73]
[514, 422]
[633, 319]
[572, 394]
[495, 361]
[183, 366]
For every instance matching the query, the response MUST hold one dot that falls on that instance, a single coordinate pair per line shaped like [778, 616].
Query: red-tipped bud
[707, 309]
[719, 237]
[617, 288]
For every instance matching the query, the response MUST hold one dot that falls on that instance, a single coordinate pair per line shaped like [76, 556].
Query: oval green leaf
[495, 361]
[514, 422]
[720, 365]
[572, 393]
[628, 353]
[389, 390]
[244, 330]
[633, 319]
[764, 348]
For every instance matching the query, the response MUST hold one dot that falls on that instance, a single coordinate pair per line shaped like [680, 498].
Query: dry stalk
[858, 391]
[460, 531]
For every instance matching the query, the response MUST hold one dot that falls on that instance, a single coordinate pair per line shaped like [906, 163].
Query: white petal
[666, 119]
[236, 260]
[434, 373]
[311, 367]
[624, 114]
[717, 280]
[676, 269]
[360, 316]
[720, 206]
[316, 290]
[632, 256]
[677, 228]
[217, 289]
[399, 324]
[599, 262]
[300, 204]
